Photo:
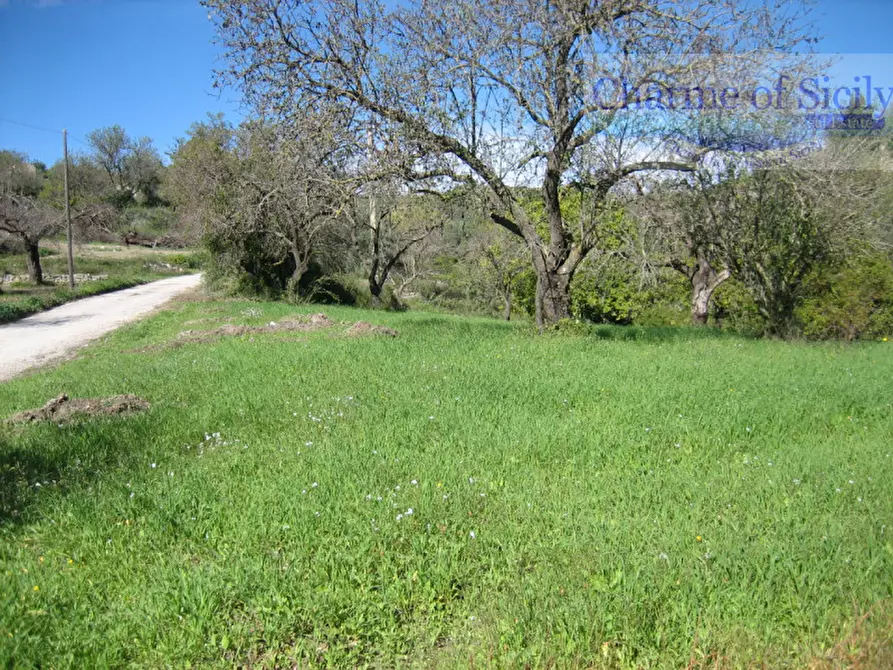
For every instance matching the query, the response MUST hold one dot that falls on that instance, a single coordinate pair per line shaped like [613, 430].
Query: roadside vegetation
[662, 498]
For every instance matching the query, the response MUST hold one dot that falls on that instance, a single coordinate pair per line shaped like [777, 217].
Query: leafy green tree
[133, 167]
[110, 147]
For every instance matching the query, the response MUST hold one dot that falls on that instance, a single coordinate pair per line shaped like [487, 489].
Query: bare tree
[415, 265]
[203, 171]
[395, 226]
[681, 232]
[462, 77]
[496, 258]
[21, 215]
[265, 195]
[504, 268]
[25, 219]
[143, 170]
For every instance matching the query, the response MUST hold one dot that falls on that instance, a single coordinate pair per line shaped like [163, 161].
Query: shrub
[851, 301]
[191, 261]
[611, 294]
[735, 310]
[317, 286]
[246, 266]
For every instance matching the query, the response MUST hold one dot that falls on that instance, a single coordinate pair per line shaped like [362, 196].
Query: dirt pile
[295, 323]
[64, 409]
[361, 328]
[288, 324]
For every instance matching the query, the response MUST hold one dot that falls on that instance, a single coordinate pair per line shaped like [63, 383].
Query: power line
[79, 140]
[28, 125]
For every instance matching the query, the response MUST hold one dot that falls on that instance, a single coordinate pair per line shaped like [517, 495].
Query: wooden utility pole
[68, 212]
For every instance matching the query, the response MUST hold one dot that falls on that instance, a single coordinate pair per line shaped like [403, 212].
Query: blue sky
[147, 65]
[84, 64]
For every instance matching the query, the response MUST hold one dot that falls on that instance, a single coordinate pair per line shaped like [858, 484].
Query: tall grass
[466, 493]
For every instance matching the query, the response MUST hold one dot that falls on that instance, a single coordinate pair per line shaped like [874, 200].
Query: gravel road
[48, 335]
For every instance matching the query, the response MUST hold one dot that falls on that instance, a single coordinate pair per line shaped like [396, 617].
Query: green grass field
[464, 494]
[124, 266]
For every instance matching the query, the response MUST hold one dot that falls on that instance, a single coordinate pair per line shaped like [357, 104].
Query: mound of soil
[298, 322]
[207, 319]
[361, 328]
[64, 409]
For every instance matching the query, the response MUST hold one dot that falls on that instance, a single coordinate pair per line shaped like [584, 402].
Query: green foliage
[87, 184]
[525, 290]
[456, 286]
[132, 167]
[148, 221]
[734, 309]
[319, 287]
[609, 294]
[246, 265]
[17, 175]
[851, 301]
[639, 498]
[669, 302]
[358, 288]
[195, 260]
[778, 240]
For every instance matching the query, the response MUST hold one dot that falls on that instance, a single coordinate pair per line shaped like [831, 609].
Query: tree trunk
[553, 300]
[507, 301]
[301, 266]
[552, 281]
[700, 307]
[700, 298]
[375, 289]
[375, 284]
[35, 272]
[704, 282]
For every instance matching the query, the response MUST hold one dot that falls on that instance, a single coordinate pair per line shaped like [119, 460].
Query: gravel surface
[48, 335]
